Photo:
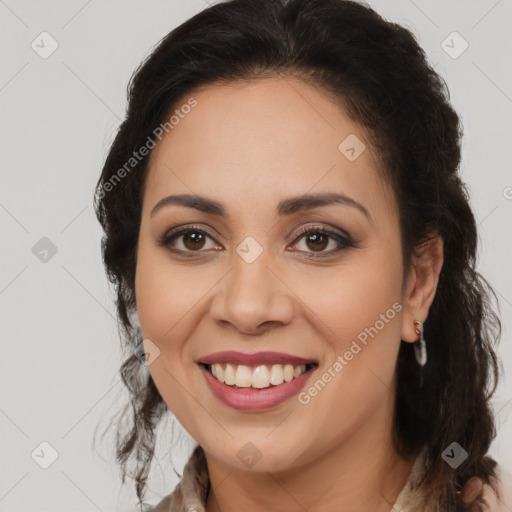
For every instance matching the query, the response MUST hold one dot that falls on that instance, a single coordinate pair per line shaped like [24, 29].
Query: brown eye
[317, 241]
[187, 240]
[194, 240]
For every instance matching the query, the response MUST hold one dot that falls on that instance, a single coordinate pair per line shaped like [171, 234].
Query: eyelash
[344, 241]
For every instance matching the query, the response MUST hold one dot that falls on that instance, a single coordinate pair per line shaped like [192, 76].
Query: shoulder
[477, 495]
[164, 505]
[191, 491]
[490, 497]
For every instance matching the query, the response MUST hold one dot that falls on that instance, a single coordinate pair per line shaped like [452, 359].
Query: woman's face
[249, 280]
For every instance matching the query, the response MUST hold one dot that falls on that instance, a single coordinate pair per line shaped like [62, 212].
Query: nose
[252, 298]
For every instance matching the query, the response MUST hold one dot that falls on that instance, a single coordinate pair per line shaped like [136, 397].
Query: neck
[359, 474]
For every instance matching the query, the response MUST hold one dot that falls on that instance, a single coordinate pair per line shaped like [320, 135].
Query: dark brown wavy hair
[376, 71]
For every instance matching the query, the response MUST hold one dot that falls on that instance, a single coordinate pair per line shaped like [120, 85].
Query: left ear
[421, 284]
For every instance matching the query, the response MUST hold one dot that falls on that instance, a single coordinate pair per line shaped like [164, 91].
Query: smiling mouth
[257, 377]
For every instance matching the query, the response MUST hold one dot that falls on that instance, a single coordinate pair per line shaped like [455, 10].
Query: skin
[249, 146]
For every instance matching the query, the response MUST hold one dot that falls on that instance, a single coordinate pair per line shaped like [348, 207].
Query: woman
[294, 253]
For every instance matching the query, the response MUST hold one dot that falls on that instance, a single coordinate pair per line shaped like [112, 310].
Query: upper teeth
[257, 377]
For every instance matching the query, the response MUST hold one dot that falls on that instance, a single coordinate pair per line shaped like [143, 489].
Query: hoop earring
[420, 349]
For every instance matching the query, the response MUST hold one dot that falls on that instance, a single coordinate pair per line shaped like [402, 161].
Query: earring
[420, 350]
[420, 347]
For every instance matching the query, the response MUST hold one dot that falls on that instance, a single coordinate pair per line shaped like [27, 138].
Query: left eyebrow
[310, 201]
[285, 207]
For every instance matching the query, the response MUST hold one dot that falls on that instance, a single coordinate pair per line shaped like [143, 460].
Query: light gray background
[60, 356]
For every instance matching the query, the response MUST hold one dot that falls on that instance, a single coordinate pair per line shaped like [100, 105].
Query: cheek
[164, 295]
[360, 316]
[162, 309]
[352, 298]
[358, 311]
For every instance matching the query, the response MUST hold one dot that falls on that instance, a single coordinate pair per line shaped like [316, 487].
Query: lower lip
[252, 399]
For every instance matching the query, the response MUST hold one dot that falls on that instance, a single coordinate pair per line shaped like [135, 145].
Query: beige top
[191, 492]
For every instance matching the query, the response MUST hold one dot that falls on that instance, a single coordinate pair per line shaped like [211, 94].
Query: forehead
[272, 137]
